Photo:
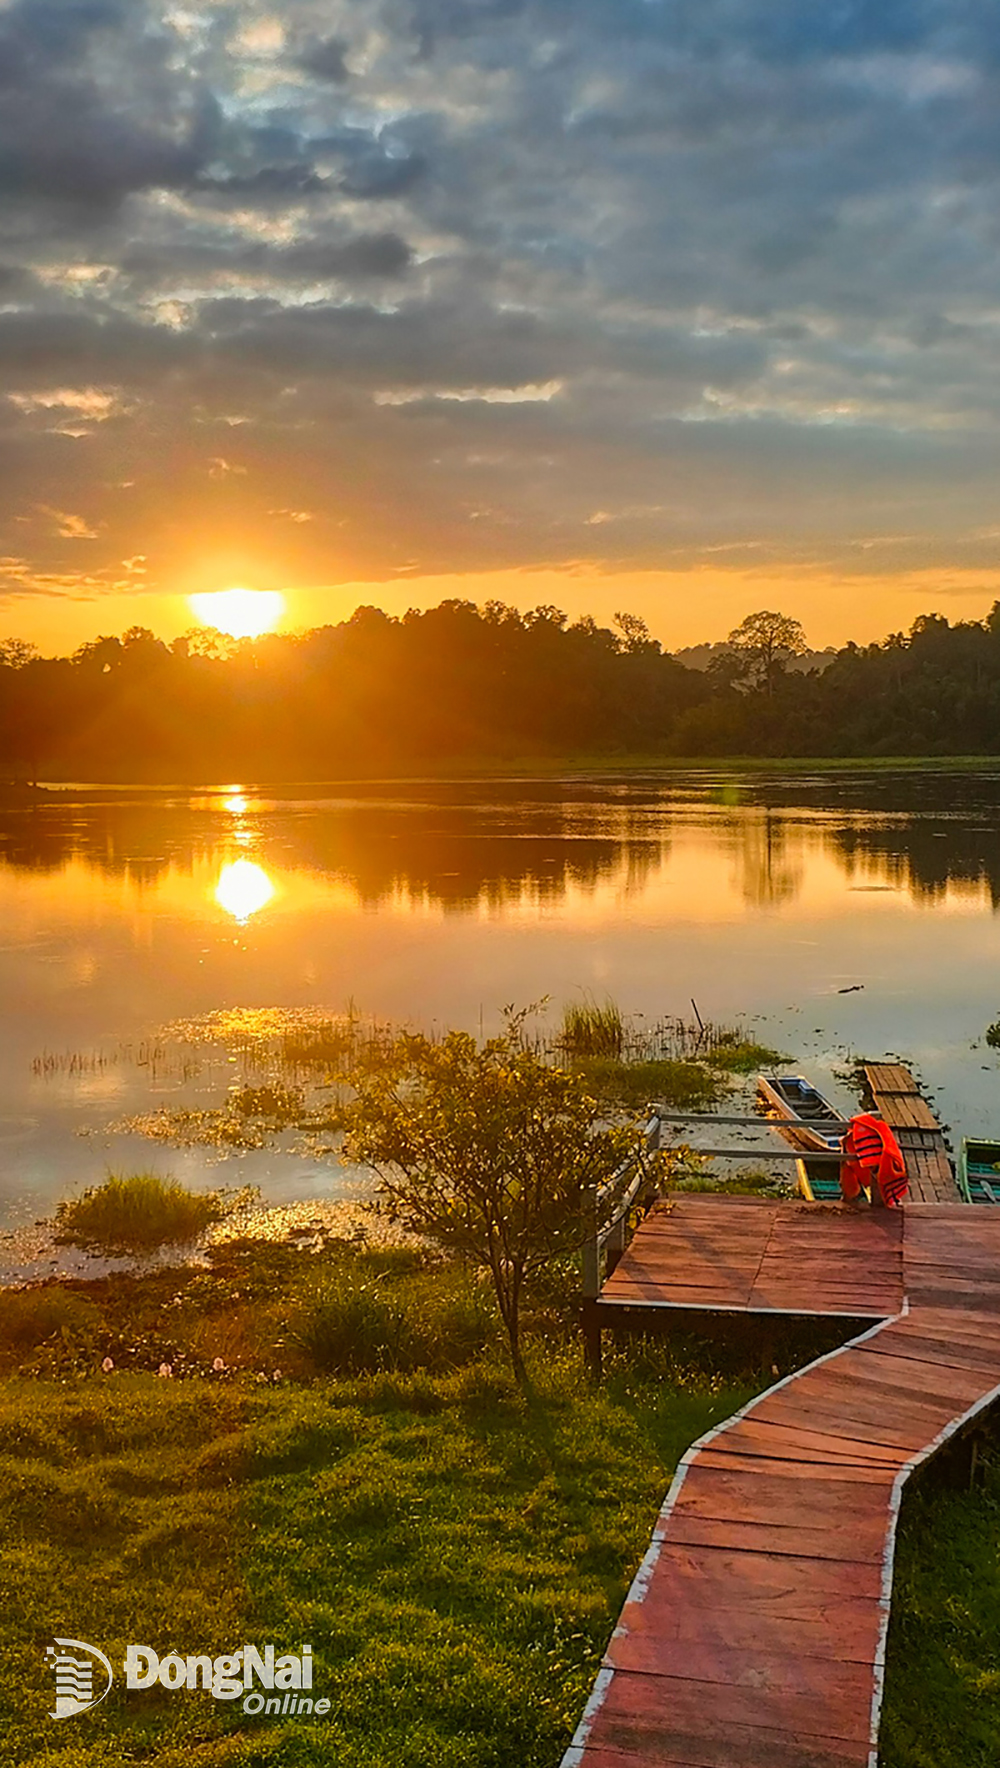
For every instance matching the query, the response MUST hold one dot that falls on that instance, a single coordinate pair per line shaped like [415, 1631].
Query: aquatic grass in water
[686, 1086]
[590, 1030]
[742, 1055]
[135, 1213]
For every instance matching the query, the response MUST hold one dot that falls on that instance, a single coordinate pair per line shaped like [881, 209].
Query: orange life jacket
[873, 1156]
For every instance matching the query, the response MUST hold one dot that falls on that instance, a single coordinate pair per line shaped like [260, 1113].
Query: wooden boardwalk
[754, 1633]
[741, 1254]
[899, 1102]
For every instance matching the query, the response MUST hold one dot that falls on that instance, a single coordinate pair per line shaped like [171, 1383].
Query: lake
[128, 917]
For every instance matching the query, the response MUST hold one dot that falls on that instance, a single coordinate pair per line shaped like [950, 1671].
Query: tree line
[458, 685]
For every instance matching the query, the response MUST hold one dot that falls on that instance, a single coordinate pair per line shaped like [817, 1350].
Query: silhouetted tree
[763, 644]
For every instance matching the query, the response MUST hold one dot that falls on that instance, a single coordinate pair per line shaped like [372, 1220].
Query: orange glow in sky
[243, 613]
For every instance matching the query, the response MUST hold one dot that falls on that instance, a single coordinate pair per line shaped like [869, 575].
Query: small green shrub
[993, 1035]
[354, 1324]
[137, 1213]
[29, 1317]
[351, 1327]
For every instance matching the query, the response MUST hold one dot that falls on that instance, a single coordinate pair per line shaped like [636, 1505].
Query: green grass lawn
[455, 1555]
[942, 1706]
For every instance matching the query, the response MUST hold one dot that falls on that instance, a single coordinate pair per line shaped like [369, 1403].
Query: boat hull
[979, 1170]
[790, 1096]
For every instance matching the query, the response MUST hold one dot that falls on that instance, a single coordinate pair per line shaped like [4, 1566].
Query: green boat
[979, 1171]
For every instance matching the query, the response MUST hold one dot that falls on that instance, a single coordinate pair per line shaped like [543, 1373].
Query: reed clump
[135, 1213]
[592, 1030]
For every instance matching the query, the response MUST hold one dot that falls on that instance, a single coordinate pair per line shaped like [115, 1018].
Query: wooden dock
[898, 1100]
[754, 1632]
[746, 1255]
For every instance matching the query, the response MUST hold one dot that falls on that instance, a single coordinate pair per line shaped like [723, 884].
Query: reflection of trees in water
[769, 853]
[497, 846]
[457, 856]
[926, 856]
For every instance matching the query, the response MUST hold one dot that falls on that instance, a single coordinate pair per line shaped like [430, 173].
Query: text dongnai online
[231, 1675]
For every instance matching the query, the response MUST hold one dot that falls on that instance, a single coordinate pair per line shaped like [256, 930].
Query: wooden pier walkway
[899, 1102]
[754, 1633]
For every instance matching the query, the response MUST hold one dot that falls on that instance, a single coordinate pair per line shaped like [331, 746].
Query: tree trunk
[508, 1295]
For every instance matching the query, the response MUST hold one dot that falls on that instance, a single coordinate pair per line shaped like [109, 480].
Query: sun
[243, 613]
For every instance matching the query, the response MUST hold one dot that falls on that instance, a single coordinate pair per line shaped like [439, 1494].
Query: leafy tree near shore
[488, 1150]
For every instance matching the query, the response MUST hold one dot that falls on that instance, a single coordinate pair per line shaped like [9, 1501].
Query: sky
[689, 307]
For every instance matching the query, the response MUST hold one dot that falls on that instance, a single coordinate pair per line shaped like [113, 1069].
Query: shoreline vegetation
[293, 1077]
[16, 792]
[489, 690]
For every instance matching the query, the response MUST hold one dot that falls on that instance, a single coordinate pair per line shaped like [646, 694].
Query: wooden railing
[613, 1211]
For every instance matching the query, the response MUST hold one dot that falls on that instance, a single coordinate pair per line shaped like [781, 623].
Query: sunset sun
[242, 613]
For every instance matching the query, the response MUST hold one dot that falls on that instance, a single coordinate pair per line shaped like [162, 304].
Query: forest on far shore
[462, 685]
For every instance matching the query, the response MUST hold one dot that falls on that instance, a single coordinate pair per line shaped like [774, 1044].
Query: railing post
[615, 1242]
[591, 1283]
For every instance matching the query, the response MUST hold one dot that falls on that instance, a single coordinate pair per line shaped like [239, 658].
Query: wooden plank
[708, 1663]
[663, 1753]
[700, 1712]
[889, 1077]
[785, 1442]
[756, 1461]
[903, 1436]
[770, 1497]
[859, 1538]
[728, 1577]
[743, 1615]
[927, 1388]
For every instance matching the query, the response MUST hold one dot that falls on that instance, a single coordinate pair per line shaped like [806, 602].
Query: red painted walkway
[754, 1633]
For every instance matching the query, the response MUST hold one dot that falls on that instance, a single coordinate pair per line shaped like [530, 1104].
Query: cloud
[91, 107]
[325, 59]
[490, 280]
[68, 526]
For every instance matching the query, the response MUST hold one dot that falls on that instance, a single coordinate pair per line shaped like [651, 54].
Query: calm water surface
[762, 896]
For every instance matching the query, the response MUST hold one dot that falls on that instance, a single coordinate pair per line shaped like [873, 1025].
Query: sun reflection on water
[243, 889]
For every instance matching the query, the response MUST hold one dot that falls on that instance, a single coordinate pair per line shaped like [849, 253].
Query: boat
[814, 1123]
[979, 1170]
[817, 1128]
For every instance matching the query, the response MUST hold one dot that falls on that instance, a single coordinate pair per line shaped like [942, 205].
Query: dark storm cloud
[68, 132]
[542, 278]
[324, 57]
[267, 184]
